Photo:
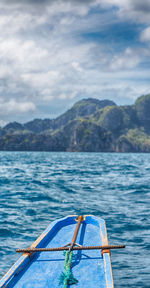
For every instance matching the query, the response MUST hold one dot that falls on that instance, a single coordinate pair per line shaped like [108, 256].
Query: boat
[72, 252]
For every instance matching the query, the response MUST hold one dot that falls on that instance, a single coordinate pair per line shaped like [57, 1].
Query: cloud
[77, 66]
[145, 35]
[128, 60]
[138, 5]
[135, 10]
[22, 53]
[2, 123]
[52, 53]
[15, 107]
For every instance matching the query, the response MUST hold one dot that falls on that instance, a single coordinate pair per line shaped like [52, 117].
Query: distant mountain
[90, 125]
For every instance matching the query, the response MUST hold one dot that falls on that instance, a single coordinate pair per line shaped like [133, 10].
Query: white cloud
[135, 10]
[46, 57]
[145, 35]
[2, 123]
[62, 96]
[77, 66]
[24, 54]
[16, 107]
[41, 80]
[128, 60]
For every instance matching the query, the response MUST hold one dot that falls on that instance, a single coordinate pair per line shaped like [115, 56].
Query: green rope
[66, 277]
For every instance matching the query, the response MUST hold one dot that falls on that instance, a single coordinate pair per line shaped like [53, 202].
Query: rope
[66, 278]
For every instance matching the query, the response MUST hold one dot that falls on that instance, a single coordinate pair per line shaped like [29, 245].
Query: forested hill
[90, 125]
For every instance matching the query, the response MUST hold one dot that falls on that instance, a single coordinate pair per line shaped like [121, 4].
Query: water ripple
[36, 188]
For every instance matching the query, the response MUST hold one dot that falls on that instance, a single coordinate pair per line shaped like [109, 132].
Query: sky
[54, 53]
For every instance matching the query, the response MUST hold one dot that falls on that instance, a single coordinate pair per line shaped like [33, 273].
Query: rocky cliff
[90, 125]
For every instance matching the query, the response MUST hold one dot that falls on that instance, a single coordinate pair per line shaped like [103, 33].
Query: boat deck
[89, 267]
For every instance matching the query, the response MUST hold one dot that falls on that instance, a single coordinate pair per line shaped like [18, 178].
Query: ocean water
[37, 188]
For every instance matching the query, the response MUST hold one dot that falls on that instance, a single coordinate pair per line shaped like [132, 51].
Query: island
[91, 125]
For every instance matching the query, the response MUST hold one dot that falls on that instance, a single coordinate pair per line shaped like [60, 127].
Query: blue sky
[54, 53]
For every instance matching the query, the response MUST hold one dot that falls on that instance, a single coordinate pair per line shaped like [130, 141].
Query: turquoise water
[37, 188]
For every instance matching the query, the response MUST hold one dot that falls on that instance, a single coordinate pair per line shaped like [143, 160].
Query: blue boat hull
[89, 267]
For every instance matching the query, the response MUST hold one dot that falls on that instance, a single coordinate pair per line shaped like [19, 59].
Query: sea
[39, 187]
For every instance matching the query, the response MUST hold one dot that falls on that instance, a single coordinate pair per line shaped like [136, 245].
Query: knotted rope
[66, 278]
